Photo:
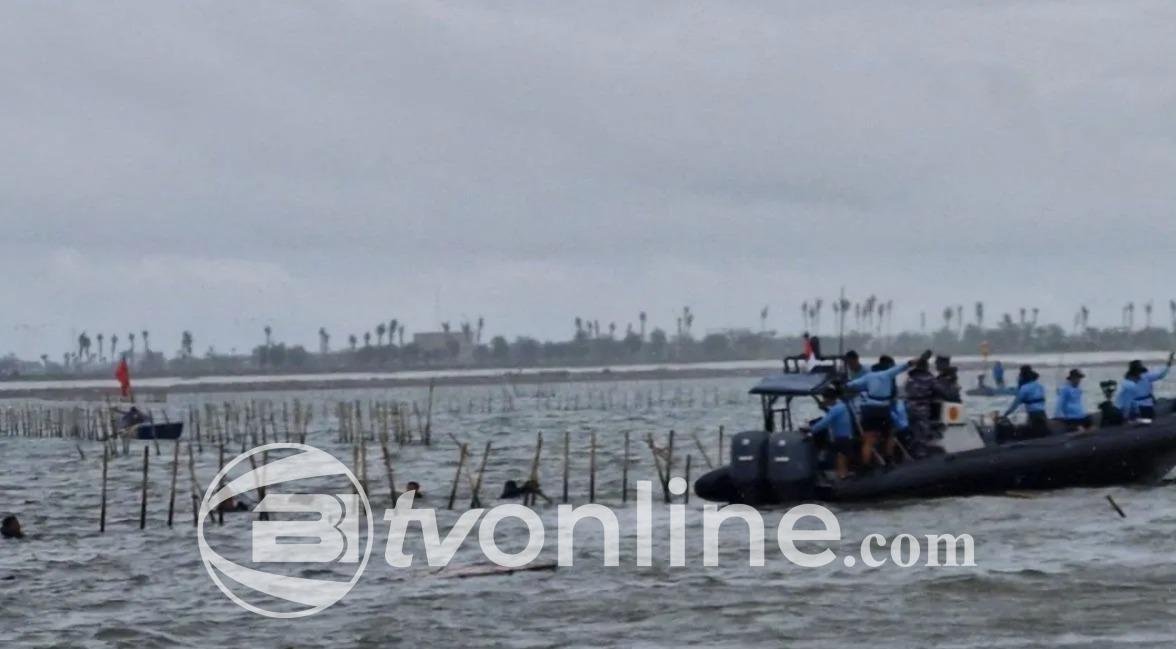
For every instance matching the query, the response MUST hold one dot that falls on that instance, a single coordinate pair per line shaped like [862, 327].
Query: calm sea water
[1059, 569]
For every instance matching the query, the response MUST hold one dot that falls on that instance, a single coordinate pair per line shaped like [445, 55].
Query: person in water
[838, 424]
[1136, 397]
[10, 528]
[878, 392]
[1031, 395]
[998, 375]
[1069, 409]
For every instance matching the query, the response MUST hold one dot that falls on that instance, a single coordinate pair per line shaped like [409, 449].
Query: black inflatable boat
[780, 465]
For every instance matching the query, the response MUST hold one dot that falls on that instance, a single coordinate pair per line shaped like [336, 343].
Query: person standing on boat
[878, 392]
[998, 375]
[838, 423]
[853, 366]
[1031, 395]
[1136, 397]
[923, 396]
[1069, 408]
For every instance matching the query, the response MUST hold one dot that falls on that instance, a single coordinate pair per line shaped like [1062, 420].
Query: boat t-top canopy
[793, 385]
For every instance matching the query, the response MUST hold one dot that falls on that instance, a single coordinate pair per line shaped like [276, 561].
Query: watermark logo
[296, 530]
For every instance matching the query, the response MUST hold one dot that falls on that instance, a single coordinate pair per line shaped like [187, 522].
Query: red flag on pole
[123, 374]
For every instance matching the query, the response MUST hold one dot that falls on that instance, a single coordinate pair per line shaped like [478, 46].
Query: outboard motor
[749, 466]
[792, 467]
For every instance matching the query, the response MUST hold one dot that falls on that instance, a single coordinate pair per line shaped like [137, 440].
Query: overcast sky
[221, 166]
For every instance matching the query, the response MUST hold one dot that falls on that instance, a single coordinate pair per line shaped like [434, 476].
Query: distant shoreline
[157, 388]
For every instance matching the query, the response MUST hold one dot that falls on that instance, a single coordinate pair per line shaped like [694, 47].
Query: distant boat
[159, 431]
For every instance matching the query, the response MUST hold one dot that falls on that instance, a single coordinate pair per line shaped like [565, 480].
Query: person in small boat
[1136, 395]
[1069, 409]
[132, 417]
[998, 375]
[415, 488]
[838, 424]
[878, 391]
[10, 528]
[1030, 395]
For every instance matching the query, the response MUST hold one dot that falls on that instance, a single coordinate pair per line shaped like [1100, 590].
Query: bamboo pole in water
[388, 470]
[475, 499]
[220, 512]
[625, 472]
[530, 499]
[143, 499]
[566, 463]
[687, 494]
[457, 475]
[171, 503]
[193, 487]
[429, 417]
[102, 507]
[592, 469]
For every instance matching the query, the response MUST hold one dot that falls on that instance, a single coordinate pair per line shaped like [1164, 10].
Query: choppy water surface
[1059, 569]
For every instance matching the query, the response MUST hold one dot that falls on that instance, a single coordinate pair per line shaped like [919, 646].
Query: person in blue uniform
[901, 423]
[838, 424]
[1136, 394]
[1031, 396]
[998, 375]
[878, 392]
[1070, 409]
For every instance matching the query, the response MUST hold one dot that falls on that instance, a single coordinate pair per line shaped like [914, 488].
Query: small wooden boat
[159, 431]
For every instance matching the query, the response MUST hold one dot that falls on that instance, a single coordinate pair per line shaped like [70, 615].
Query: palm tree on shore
[948, 312]
[1147, 314]
[804, 311]
[641, 319]
[393, 326]
[101, 348]
[268, 336]
[401, 335]
[324, 340]
[980, 316]
[146, 341]
[353, 341]
[131, 338]
[367, 339]
[380, 330]
[764, 319]
[113, 346]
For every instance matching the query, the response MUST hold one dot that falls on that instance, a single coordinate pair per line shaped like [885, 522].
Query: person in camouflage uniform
[923, 394]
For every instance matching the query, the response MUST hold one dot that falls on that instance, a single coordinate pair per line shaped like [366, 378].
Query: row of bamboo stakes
[663, 456]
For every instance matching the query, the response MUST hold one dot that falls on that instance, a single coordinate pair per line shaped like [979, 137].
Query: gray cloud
[218, 166]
